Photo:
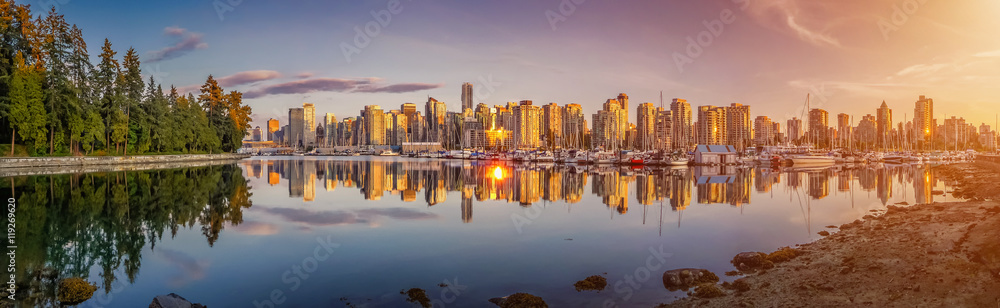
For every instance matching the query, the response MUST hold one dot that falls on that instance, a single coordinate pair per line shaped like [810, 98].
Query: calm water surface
[328, 231]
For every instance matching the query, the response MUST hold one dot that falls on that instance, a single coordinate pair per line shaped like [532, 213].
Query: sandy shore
[931, 255]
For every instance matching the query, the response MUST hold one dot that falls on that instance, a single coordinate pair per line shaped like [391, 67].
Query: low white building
[715, 155]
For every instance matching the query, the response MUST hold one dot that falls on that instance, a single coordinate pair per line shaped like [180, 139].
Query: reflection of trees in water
[67, 224]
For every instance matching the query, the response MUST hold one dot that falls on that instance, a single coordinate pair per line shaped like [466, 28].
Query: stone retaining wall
[26, 162]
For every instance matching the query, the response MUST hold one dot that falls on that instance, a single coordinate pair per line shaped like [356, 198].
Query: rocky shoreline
[938, 254]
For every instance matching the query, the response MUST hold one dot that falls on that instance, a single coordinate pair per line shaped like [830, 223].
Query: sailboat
[812, 159]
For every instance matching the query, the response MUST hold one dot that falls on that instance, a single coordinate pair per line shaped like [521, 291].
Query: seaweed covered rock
[783, 254]
[708, 290]
[73, 291]
[519, 300]
[417, 295]
[751, 262]
[685, 278]
[592, 283]
[739, 285]
[172, 301]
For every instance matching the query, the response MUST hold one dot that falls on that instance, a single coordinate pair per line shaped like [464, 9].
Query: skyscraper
[794, 128]
[683, 132]
[763, 131]
[819, 123]
[883, 123]
[435, 114]
[738, 124]
[923, 119]
[712, 125]
[528, 126]
[574, 126]
[844, 129]
[309, 132]
[645, 126]
[295, 136]
[272, 127]
[466, 96]
[664, 129]
[623, 101]
[256, 136]
[552, 118]
[330, 130]
[374, 121]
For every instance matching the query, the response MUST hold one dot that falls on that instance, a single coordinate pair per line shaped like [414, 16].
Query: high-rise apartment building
[552, 122]
[664, 129]
[738, 125]
[764, 133]
[309, 132]
[794, 130]
[844, 129]
[923, 119]
[574, 126]
[683, 131]
[711, 125]
[645, 126]
[435, 112]
[374, 123]
[883, 124]
[819, 124]
[527, 125]
[330, 130]
[295, 136]
[466, 96]
[272, 127]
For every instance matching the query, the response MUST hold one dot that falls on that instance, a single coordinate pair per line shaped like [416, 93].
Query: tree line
[54, 101]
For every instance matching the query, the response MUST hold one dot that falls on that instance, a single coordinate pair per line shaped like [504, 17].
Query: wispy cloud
[359, 85]
[189, 41]
[988, 54]
[255, 228]
[247, 77]
[191, 269]
[304, 75]
[331, 218]
[399, 88]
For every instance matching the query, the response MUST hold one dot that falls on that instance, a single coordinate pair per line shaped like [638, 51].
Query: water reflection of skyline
[433, 180]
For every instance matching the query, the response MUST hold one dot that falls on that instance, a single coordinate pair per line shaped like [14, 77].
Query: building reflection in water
[527, 184]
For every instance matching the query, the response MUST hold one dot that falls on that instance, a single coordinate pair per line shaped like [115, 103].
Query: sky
[848, 55]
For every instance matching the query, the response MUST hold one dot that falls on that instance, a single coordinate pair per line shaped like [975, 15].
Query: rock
[685, 278]
[592, 283]
[73, 291]
[823, 233]
[708, 290]
[172, 301]
[750, 262]
[519, 300]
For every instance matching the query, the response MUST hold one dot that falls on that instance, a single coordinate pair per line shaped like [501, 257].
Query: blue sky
[850, 55]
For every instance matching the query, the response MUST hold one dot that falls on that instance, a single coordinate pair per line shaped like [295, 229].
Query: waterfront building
[794, 127]
[819, 124]
[883, 124]
[645, 126]
[763, 131]
[923, 119]
[683, 135]
[295, 135]
[552, 122]
[574, 126]
[466, 96]
[272, 127]
[711, 127]
[309, 131]
[738, 125]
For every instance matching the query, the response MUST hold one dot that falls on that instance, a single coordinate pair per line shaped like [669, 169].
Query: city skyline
[657, 128]
[845, 54]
